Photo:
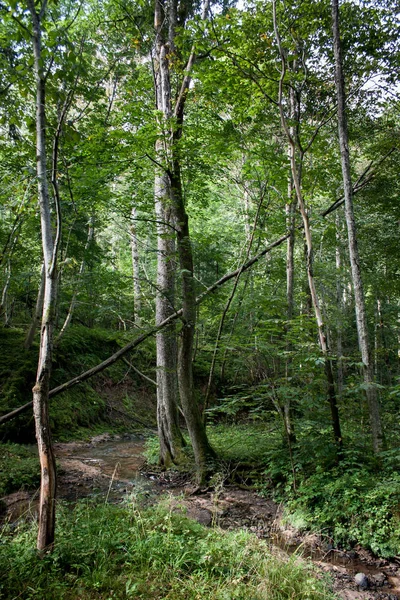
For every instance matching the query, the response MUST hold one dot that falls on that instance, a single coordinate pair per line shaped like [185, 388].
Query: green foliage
[19, 468]
[17, 368]
[119, 552]
[357, 501]
[352, 507]
[242, 442]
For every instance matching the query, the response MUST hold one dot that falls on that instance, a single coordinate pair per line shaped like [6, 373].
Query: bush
[352, 507]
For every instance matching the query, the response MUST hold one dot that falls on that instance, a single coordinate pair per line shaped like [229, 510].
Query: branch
[134, 343]
[130, 365]
[361, 182]
[180, 102]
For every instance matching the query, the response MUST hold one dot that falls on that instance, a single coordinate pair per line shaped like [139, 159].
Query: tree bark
[361, 319]
[339, 301]
[137, 300]
[290, 210]
[169, 433]
[46, 526]
[170, 436]
[167, 154]
[4, 296]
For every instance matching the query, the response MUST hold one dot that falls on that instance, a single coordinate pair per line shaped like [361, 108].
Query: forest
[199, 299]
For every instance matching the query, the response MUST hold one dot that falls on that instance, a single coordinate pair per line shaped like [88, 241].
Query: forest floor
[111, 467]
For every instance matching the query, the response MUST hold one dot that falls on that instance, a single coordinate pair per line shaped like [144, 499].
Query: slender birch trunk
[137, 294]
[361, 318]
[45, 539]
[290, 210]
[339, 301]
[4, 296]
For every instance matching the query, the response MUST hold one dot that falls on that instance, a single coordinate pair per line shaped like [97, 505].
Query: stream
[112, 467]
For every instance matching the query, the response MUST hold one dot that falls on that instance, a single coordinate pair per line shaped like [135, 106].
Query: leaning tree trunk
[361, 319]
[45, 537]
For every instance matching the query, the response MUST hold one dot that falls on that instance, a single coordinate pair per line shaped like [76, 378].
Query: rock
[379, 579]
[361, 580]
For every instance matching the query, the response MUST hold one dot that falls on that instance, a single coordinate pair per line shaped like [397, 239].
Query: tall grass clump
[105, 551]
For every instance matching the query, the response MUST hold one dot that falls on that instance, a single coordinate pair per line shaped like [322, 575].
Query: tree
[50, 246]
[361, 319]
[172, 214]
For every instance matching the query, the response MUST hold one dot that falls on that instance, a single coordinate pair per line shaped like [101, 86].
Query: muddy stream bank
[110, 468]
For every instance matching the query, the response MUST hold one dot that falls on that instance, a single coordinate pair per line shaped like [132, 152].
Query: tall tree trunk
[296, 170]
[170, 436]
[45, 539]
[4, 304]
[171, 126]
[4, 296]
[339, 302]
[198, 437]
[137, 299]
[37, 313]
[361, 319]
[290, 210]
[169, 433]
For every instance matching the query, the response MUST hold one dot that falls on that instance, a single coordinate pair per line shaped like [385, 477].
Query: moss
[110, 397]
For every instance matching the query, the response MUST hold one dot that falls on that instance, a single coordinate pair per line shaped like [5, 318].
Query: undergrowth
[19, 468]
[106, 551]
[354, 502]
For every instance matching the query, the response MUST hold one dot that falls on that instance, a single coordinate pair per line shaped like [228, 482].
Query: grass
[19, 468]
[119, 552]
